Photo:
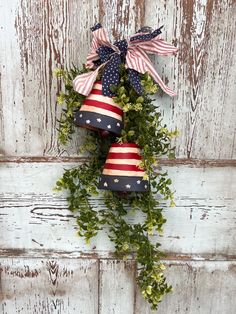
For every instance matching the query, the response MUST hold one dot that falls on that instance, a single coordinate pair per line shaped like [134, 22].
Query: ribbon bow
[133, 53]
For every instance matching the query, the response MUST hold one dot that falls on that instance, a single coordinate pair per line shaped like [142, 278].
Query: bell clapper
[104, 133]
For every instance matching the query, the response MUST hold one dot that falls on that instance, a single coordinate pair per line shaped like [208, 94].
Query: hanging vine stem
[143, 126]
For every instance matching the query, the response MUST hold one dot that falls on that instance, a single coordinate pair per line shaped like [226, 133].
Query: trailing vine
[143, 125]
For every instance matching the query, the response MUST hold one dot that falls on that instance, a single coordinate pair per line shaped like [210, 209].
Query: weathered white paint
[36, 37]
[66, 286]
[203, 74]
[117, 287]
[202, 224]
[39, 36]
[37, 286]
[198, 287]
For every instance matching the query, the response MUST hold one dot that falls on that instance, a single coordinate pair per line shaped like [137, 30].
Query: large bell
[99, 112]
[121, 171]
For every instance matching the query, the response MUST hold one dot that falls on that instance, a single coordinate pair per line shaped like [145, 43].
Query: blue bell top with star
[122, 171]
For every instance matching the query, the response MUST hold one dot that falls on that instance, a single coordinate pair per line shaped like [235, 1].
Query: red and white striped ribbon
[136, 58]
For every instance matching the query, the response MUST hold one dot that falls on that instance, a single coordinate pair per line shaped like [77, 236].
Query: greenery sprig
[143, 126]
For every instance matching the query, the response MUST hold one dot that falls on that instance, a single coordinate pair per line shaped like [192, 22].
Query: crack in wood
[163, 162]
[55, 254]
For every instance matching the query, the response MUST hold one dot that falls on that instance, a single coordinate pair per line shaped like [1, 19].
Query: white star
[81, 115]
[116, 180]
[118, 124]
[105, 184]
[145, 186]
[88, 121]
[109, 126]
[138, 181]
[99, 120]
[128, 186]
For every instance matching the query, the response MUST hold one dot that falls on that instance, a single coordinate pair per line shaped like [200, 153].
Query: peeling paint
[48, 34]
[25, 272]
[41, 35]
[163, 162]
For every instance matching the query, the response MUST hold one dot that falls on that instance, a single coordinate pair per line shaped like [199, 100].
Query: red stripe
[102, 105]
[96, 91]
[122, 167]
[123, 156]
[125, 145]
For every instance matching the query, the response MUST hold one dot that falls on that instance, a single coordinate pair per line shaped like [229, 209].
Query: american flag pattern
[123, 160]
[136, 58]
[104, 105]
[122, 171]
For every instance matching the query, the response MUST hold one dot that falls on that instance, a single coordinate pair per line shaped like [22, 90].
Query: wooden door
[44, 266]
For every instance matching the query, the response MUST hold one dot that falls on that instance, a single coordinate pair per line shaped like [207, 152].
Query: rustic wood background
[44, 267]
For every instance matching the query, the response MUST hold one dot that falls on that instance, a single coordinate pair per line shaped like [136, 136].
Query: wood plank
[48, 286]
[198, 287]
[122, 18]
[163, 162]
[38, 36]
[202, 225]
[203, 74]
[117, 287]
[71, 286]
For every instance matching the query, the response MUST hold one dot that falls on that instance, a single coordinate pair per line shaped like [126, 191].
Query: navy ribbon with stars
[113, 58]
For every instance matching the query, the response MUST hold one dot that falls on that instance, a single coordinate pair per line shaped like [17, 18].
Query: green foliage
[143, 125]
[71, 99]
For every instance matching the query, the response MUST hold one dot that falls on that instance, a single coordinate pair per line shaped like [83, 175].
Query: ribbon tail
[135, 82]
[137, 59]
[83, 83]
[92, 56]
[159, 47]
[111, 75]
[160, 82]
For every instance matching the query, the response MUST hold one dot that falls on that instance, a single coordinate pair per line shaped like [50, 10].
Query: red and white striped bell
[99, 112]
[121, 171]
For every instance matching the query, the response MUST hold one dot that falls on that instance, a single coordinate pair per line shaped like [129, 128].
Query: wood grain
[40, 36]
[198, 288]
[32, 217]
[117, 287]
[162, 162]
[44, 266]
[71, 286]
[203, 74]
[33, 286]
[122, 18]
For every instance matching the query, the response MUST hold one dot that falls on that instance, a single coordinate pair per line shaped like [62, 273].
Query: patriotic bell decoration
[121, 171]
[100, 112]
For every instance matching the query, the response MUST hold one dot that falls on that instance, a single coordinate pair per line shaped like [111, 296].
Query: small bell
[100, 113]
[121, 171]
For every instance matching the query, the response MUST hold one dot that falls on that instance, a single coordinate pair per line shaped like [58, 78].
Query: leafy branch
[143, 126]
